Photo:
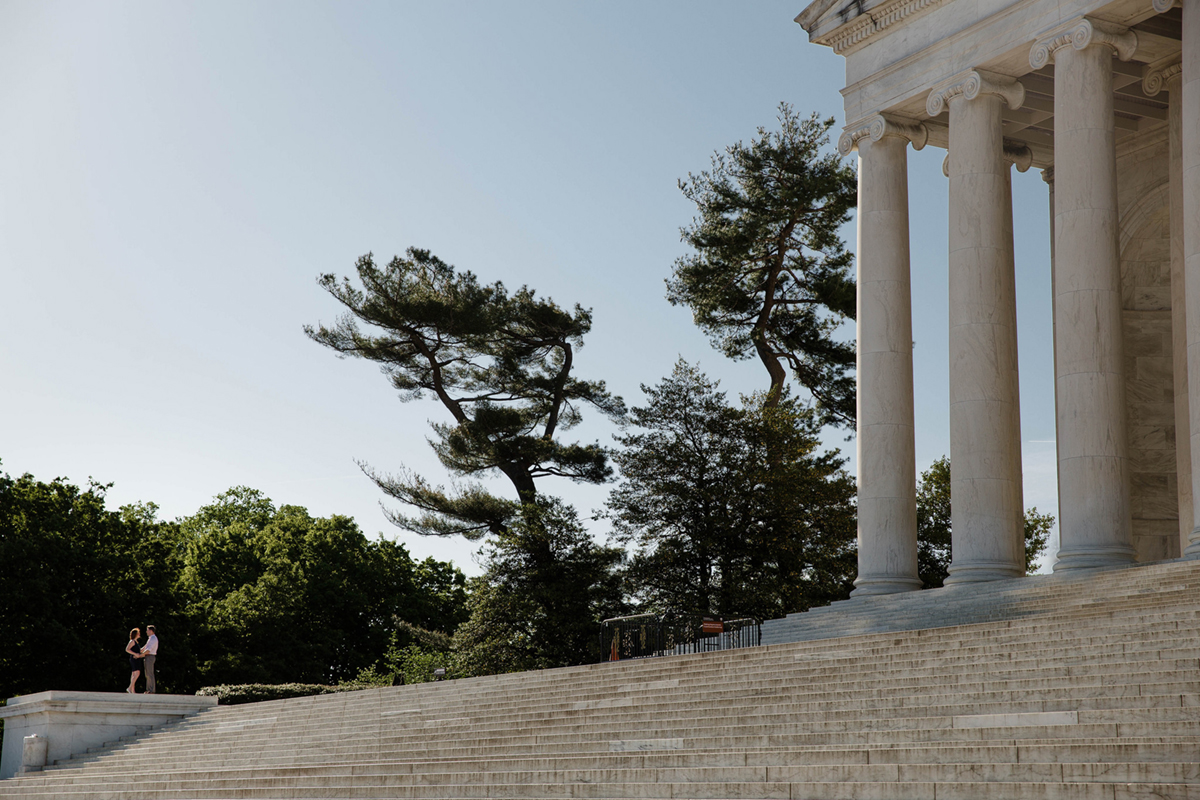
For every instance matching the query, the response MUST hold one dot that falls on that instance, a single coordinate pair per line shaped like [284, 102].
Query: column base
[867, 585]
[1192, 551]
[983, 571]
[1094, 557]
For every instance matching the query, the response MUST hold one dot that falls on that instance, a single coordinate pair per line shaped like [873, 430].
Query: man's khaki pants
[149, 665]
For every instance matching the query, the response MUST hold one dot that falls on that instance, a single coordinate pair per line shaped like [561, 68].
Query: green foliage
[439, 604]
[282, 596]
[934, 527]
[416, 665]
[405, 635]
[546, 588]
[232, 695]
[239, 592]
[500, 364]
[933, 523]
[1037, 536]
[770, 276]
[368, 678]
[75, 578]
[732, 510]
[498, 636]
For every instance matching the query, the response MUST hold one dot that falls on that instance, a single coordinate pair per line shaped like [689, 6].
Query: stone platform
[961, 604]
[1087, 689]
[71, 722]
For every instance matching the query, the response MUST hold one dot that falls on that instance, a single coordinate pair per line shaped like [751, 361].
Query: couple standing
[139, 654]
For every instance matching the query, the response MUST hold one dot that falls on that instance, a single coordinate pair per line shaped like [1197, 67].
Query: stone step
[347, 780]
[905, 719]
[900, 755]
[1097, 666]
[1072, 686]
[698, 790]
[497, 748]
[1098, 696]
[1098, 755]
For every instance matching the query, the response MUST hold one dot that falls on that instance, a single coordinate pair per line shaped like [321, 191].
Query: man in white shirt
[149, 652]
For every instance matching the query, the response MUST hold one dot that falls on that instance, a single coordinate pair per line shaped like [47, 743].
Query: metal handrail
[673, 633]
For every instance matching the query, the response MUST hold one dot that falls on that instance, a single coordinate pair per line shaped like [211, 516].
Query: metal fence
[650, 635]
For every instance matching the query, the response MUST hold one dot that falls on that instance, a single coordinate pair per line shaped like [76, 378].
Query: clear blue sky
[173, 177]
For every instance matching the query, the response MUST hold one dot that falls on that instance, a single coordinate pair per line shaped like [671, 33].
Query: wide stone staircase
[1084, 686]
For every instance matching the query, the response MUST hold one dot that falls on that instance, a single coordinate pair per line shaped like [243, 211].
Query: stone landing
[961, 604]
[72, 722]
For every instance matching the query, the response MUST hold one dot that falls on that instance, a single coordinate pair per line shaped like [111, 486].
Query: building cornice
[865, 24]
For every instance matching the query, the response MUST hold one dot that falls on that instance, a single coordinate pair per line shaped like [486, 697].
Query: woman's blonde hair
[135, 634]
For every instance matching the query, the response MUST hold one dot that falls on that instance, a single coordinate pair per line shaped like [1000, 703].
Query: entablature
[893, 67]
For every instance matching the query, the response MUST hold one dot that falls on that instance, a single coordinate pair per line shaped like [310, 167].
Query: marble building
[1104, 99]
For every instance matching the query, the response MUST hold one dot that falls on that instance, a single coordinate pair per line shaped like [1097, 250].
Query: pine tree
[500, 364]
[769, 275]
[732, 510]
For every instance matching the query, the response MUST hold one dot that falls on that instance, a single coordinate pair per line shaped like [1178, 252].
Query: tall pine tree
[770, 276]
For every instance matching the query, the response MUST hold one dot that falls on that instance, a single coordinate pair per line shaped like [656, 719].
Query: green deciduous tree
[74, 578]
[770, 276]
[934, 529]
[731, 510]
[281, 596]
[501, 364]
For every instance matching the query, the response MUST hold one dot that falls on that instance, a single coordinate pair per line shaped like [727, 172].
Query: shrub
[229, 695]
[417, 665]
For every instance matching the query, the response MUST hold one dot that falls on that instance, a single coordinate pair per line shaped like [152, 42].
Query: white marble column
[1156, 78]
[1189, 94]
[985, 421]
[887, 510]
[1094, 507]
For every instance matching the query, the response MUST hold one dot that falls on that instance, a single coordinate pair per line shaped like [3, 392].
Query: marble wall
[1146, 318]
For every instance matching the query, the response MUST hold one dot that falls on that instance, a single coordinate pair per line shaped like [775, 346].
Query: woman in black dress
[135, 659]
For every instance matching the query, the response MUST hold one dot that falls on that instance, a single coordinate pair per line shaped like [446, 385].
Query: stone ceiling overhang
[897, 50]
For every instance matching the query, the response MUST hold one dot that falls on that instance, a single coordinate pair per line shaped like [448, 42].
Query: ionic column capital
[1018, 154]
[1082, 33]
[1048, 176]
[972, 84]
[878, 126]
[1156, 76]
[1162, 6]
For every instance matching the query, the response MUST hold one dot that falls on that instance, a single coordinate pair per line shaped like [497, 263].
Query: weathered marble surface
[1094, 480]
[887, 511]
[1190, 194]
[1147, 302]
[985, 420]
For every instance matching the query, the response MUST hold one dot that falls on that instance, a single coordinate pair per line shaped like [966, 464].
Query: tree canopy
[546, 588]
[75, 578]
[770, 276]
[284, 596]
[500, 364]
[241, 591]
[732, 509]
